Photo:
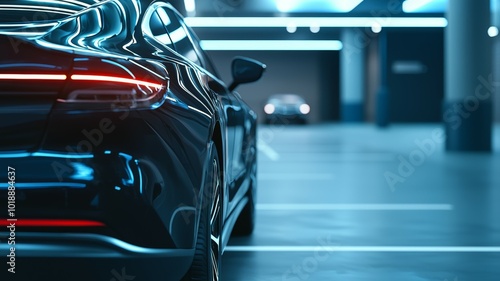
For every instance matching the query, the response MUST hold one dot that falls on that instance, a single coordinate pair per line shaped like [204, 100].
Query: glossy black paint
[245, 70]
[133, 157]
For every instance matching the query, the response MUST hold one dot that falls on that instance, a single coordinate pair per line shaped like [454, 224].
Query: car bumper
[73, 256]
[285, 119]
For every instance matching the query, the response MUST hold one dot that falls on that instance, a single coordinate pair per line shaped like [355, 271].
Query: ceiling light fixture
[424, 6]
[376, 28]
[190, 6]
[331, 6]
[291, 28]
[273, 22]
[314, 28]
[271, 45]
[493, 31]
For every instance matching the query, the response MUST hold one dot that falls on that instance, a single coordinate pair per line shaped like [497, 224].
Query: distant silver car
[286, 109]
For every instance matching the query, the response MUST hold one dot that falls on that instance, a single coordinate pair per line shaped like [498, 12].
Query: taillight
[38, 83]
[118, 84]
[95, 83]
[31, 76]
[115, 79]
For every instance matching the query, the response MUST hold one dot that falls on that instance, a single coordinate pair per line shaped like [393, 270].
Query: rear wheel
[206, 263]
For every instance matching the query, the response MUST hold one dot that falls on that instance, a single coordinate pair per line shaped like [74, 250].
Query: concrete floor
[352, 202]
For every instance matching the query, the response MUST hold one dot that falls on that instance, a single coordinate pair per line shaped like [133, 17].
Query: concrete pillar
[468, 88]
[352, 76]
[382, 115]
[495, 21]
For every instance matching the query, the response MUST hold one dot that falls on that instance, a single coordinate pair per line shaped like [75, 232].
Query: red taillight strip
[81, 77]
[50, 223]
[115, 79]
[19, 76]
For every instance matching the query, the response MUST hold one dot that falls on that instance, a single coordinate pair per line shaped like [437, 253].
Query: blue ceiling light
[271, 45]
[493, 31]
[333, 6]
[424, 6]
[190, 7]
[273, 22]
[345, 6]
[286, 6]
[434, 6]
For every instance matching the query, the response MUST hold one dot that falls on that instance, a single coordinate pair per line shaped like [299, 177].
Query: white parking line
[354, 207]
[295, 176]
[343, 156]
[319, 248]
[263, 147]
[301, 158]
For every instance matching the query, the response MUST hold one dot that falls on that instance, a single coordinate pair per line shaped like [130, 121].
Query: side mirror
[245, 70]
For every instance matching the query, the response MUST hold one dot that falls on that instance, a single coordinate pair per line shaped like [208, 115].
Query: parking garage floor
[353, 202]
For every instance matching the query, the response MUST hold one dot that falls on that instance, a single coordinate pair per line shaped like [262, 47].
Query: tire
[207, 260]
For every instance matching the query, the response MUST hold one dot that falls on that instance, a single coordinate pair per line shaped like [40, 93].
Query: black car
[125, 157]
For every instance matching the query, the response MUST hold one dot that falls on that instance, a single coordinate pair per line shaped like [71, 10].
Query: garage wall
[314, 75]
[415, 95]
[415, 74]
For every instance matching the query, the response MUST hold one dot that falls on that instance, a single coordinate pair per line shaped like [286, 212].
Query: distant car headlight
[269, 108]
[304, 108]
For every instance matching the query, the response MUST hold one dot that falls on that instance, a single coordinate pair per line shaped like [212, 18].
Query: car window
[168, 28]
[205, 60]
[178, 35]
[158, 30]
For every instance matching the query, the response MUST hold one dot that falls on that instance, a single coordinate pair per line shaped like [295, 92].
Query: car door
[187, 45]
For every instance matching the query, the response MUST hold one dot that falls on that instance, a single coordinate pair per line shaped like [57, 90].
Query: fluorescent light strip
[316, 21]
[414, 5]
[271, 45]
[355, 207]
[321, 248]
[341, 6]
[425, 6]
[344, 6]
